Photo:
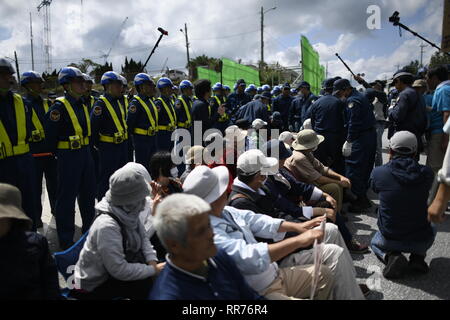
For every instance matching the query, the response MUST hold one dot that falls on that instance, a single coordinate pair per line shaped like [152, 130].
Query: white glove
[347, 149]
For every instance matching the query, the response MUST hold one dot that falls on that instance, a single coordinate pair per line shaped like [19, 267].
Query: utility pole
[422, 46]
[187, 48]
[262, 38]
[32, 47]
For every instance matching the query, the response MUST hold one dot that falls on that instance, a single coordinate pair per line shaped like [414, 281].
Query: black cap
[303, 84]
[286, 86]
[328, 83]
[266, 95]
[340, 85]
[276, 116]
[241, 82]
[243, 124]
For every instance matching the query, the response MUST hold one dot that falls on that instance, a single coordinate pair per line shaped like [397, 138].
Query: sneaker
[417, 264]
[396, 265]
[365, 290]
[357, 248]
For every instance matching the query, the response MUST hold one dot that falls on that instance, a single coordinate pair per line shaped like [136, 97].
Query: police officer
[408, 113]
[109, 130]
[125, 102]
[174, 95]
[16, 162]
[167, 117]
[282, 104]
[202, 110]
[251, 90]
[276, 92]
[360, 145]
[88, 97]
[257, 109]
[183, 105]
[217, 100]
[44, 159]
[226, 90]
[327, 119]
[142, 119]
[68, 130]
[238, 98]
[300, 106]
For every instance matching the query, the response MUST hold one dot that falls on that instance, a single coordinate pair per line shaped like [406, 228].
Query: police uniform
[142, 121]
[68, 130]
[125, 102]
[282, 104]
[360, 124]
[16, 162]
[202, 111]
[44, 159]
[235, 101]
[89, 101]
[110, 136]
[167, 122]
[183, 109]
[327, 119]
[224, 120]
[299, 109]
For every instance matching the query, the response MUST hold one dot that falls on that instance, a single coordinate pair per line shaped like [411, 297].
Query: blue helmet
[164, 83]
[217, 86]
[68, 74]
[276, 91]
[29, 76]
[124, 81]
[259, 90]
[186, 84]
[226, 88]
[109, 77]
[141, 78]
[266, 87]
[293, 90]
[252, 87]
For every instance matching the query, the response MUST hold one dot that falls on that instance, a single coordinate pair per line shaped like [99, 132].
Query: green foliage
[438, 59]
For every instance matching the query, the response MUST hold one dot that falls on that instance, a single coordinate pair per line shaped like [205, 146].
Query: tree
[131, 68]
[438, 59]
[203, 61]
[100, 70]
[412, 67]
[85, 65]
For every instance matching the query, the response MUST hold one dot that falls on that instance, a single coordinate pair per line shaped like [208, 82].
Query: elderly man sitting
[235, 231]
[195, 269]
[306, 168]
[249, 193]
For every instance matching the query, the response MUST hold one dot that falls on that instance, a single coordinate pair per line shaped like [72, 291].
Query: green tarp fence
[313, 72]
[231, 72]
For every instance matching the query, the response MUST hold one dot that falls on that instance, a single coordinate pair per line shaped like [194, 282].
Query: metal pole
[17, 67]
[32, 47]
[262, 37]
[187, 49]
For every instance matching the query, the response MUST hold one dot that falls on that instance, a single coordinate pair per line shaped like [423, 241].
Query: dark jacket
[27, 269]
[300, 107]
[253, 201]
[254, 110]
[403, 186]
[327, 115]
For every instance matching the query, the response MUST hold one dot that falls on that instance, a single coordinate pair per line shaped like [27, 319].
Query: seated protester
[287, 138]
[193, 158]
[249, 193]
[286, 192]
[117, 259]
[403, 185]
[306, 168]
[165, 175]
[195, 269]
[235, 231]
[27, 269]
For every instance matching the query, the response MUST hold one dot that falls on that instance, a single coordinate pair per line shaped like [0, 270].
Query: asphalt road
[432, 286]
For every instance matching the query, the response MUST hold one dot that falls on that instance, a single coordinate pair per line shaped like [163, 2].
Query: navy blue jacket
[327, 115]
[37, 104]
[102, 121]
[27, 269]
[236, 100]
[359, 116]
[403, 185]
[164, 118]
[59, 128]
[203, 111]
[223, 282]
[8, 117]
[409, 113]
[299, 108]
[137, 116]
[180, 110]
[282, 105]
[254, 110]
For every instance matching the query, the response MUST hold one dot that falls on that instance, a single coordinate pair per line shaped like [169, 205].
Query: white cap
[253, 161]
[258, 124]
[206, 183]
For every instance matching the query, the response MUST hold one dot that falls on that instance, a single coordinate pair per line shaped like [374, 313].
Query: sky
[231, 29]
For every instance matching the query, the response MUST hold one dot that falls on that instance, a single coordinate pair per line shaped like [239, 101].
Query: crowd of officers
[80, 139]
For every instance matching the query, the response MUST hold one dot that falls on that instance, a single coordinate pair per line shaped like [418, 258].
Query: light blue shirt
[235, 232]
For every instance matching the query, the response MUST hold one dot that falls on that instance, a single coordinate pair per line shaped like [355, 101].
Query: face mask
[174, 172]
